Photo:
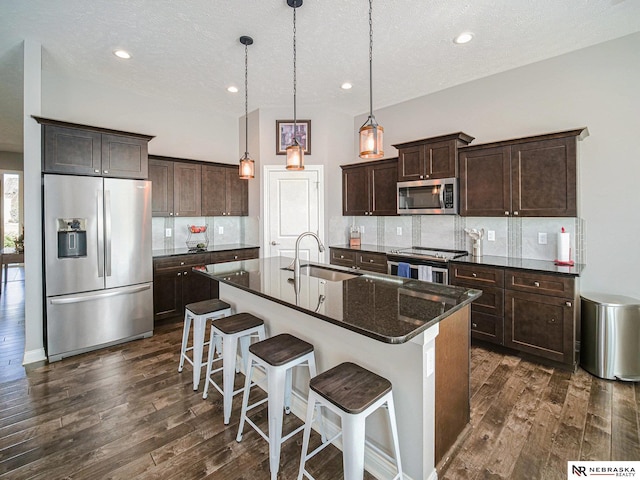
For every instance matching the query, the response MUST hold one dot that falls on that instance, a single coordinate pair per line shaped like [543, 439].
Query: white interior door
[293, 205]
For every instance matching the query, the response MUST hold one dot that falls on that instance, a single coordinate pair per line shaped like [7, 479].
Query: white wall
[595, 87]
[179, 132]
[11, 161]
[332, 137]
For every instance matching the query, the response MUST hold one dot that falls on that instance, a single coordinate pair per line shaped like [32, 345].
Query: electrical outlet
[398, 230]
[491, 235]
[221, 230]
[167, 232]
[542, 238]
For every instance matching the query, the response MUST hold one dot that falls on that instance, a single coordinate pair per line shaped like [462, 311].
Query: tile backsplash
[514, 237]
[220, 230]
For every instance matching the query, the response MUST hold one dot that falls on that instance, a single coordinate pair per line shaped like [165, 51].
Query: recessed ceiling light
[464, 37]
[232, 89]
[122, 54]
[346, 86]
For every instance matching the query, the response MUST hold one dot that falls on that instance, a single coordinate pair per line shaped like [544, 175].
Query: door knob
[273, 242]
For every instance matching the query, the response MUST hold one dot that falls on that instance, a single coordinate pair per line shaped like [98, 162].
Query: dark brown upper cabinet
[370, 188]
[527, 177]
[161, 176]
[191, 188]
[84, 150]
[223, 191]
[187, 186]
[430, 158]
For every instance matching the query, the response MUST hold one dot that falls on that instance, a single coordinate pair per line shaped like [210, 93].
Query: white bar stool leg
[213, 346]
[185, 338]
[199, 324]
[276, 392]
[311, 406]
[353, 428]
[229, 349]
[394, 432]
[245, 398]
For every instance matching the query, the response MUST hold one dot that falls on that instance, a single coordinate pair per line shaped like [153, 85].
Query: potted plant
[18, 241]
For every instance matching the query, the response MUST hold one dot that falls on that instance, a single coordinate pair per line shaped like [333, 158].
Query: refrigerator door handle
[107, 230]
[99, 215]
[90, 298]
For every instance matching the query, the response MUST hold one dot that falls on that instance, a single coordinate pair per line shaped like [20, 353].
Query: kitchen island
[386, 324]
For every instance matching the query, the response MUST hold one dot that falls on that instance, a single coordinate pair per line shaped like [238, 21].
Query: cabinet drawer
[477, 276]
[375, 262]
[555, 285]
[190, 260]
[346, 258]
[490, 302]
[234, 255]
[489, 328]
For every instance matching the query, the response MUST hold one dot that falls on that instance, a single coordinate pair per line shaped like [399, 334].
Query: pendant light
[295, 151]
[247, 165]
[370, 132]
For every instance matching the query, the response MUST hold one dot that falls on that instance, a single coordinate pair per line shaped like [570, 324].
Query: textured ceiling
[188, 51]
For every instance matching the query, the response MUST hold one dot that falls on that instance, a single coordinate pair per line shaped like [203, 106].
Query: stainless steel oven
[420, 263]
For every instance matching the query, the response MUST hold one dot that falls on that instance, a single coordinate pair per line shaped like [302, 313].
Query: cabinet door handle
[553, 320]
[235, 257]
[171, 214]
[474, 325]
[177, 214]
[106, 171]
[179, 274]
[474, 275]
[421, 176]
[568, 304]
[427, 176]
[515, 213]
[536, 284]
[506, 213]
[96, 171]
[185, 274]
[181, 263]
[371, 260]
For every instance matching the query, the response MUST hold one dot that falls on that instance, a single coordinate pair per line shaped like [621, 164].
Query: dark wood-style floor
[125, 412]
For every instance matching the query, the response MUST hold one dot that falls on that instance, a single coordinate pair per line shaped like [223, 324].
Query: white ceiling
[188, 51]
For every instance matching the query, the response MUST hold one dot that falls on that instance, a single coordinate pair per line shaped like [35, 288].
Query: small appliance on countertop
[428, 263]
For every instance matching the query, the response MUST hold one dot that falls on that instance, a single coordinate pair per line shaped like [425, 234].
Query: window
[11, 202]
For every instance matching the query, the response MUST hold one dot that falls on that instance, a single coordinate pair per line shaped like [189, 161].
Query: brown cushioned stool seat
[350, 387]
[280, 349]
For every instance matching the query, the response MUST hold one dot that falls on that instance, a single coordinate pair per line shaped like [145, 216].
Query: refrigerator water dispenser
[72, 237]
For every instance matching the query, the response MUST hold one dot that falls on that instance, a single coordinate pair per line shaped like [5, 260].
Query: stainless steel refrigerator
[98, 265]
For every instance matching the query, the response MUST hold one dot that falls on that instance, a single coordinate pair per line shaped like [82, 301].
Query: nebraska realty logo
[581, 470]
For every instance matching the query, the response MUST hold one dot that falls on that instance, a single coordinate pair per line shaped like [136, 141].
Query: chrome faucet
[295, 265]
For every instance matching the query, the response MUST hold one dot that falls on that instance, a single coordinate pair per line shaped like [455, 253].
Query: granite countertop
[169, 252]
[386, 308]
[371, 248]
[546, 266]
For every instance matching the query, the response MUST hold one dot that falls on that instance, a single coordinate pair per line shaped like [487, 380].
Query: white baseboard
[33, 356]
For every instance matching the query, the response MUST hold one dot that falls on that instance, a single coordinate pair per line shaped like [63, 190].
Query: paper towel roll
[564, 246]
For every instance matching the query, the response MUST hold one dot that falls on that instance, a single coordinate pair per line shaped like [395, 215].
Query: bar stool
[240, 327]
[200, 312]
[277, 356]
[353, 393]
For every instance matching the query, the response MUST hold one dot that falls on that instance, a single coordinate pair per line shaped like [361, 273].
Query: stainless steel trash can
[610, 336]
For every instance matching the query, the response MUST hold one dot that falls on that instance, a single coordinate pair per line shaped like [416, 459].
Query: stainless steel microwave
[428, 197]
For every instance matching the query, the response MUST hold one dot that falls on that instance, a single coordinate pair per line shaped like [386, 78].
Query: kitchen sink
[324, 273]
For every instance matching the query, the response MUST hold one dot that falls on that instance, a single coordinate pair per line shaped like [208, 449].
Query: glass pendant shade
[295, 156]
[371, 139]
[247, 168]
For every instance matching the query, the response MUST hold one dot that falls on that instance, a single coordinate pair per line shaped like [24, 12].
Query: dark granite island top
[383, 307]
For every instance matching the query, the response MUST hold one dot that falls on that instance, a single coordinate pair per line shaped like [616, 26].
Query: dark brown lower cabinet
[175, 285]
[525, 310]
